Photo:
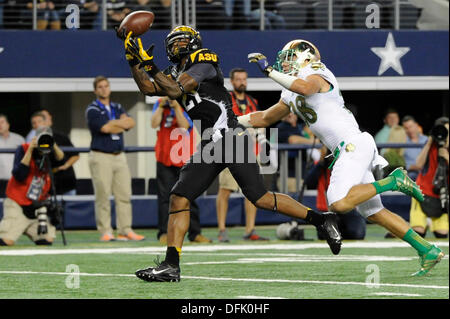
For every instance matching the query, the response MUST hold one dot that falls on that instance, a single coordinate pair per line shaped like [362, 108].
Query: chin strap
[179, 211]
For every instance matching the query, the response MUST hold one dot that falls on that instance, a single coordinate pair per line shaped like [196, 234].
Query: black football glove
[261, 61]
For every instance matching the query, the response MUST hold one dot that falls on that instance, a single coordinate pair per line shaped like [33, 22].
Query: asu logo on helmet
[295, 55]
[187, 40]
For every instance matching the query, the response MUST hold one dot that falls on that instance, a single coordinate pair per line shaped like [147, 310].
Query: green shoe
[429, 260]
[405, 184]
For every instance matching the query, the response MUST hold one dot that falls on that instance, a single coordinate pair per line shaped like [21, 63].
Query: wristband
[283, 79]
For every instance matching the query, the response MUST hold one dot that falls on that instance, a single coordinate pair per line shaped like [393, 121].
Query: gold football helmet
[182, 32]
[295, 55]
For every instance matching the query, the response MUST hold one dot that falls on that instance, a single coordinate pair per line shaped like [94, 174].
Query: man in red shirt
[174, 146]
[242, 104]
[27, 188]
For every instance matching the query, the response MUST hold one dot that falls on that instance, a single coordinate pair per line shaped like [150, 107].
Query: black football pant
[166, 177]
[237, 153]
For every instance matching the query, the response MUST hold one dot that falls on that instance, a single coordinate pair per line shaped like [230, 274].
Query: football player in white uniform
[311, 91]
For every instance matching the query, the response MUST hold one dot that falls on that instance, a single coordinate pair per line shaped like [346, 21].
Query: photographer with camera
[27, 209]
[433, 180]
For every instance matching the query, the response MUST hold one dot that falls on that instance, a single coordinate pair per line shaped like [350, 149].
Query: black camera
[45, 140]
[439, 134]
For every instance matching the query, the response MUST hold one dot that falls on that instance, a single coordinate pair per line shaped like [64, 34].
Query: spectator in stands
[89, 12]
[37, 119]
[41, 117]
[161, 9]
[175, 127]
[107, 121]
[65, 180]
[211, 15]
[27, 189]
[272, 20]
[238, 11]
[392, 132]
[8, 139]
[116, 11]
[290, 131]
[391, 119]
[47, 14]
[352, 225]
[242, 104]
[413, 136]
[433, 180]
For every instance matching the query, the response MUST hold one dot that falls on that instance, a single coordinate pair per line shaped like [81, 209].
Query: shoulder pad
[204, 56]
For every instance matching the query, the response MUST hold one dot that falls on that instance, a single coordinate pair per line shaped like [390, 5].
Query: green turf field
[373, 268]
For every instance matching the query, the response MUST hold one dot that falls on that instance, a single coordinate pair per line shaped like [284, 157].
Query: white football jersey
[325, 113]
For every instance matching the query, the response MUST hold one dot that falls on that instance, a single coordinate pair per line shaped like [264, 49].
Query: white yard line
[317, 282]
[395, 294]
[258, 297]
[204, 248]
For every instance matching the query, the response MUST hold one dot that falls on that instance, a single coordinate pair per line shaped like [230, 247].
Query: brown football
[138, 21]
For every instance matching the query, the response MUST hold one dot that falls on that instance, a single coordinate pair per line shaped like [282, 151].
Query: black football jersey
[210, 103]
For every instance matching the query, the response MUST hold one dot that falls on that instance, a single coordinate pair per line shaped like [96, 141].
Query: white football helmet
[295, 55]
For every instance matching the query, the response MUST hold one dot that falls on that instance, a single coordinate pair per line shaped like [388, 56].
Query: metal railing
[283, 150]
[218, 14]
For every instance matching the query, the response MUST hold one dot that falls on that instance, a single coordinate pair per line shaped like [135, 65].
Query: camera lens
[45, 140]
[41, 214]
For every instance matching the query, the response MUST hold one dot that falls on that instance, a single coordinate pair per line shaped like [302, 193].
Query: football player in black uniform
[197, 83]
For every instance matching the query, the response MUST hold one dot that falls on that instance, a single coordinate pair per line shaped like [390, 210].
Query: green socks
[417, 242]
[385, 184]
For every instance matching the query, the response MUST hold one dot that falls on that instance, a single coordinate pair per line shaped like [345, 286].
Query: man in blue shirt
[413, 136]
[108, 164]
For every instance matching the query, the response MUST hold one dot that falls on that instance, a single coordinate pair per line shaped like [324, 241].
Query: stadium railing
[283, 150]
[218, 14]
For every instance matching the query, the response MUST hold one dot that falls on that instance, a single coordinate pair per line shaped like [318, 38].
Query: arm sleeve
[95, 120]
[202, 71]
[20, 171]
[120, 111]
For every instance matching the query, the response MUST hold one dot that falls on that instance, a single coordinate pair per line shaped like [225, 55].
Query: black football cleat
[329, 229]
[163, 272]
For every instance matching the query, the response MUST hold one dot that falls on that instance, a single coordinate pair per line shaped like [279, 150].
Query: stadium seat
[138, 186]
[152, 187]
[319, 14]
[409, 15]
[293, 12]
[85, 186]
[3, 184]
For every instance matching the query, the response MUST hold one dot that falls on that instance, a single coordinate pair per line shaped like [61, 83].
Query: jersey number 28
[306, 113]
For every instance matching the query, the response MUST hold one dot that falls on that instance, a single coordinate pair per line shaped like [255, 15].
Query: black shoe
[330, 231]
[163, 272]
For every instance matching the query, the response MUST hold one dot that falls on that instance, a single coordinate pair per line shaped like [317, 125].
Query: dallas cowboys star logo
[390, 55]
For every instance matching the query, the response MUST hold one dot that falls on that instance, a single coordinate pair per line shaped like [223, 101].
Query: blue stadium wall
[80, 211]
[85, 54]
[89, 53]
